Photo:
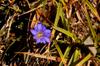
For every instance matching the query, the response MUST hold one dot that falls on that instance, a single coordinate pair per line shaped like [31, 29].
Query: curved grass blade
[66, 33]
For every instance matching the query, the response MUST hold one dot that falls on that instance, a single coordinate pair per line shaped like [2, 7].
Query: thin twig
[41, 5]
[57, 59]
[9, 25]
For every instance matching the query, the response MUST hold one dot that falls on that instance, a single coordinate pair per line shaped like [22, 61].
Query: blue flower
[41, 34]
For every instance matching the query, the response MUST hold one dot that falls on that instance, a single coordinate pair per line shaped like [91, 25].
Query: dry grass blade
[57, 59]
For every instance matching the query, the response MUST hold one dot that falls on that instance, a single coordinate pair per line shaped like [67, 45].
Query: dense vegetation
[70, 33]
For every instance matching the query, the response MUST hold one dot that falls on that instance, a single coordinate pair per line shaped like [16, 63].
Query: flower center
[40, 34]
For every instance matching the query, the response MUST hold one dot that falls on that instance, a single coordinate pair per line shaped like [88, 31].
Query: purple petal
[35, 37]
[33, 32]
[43, 28]
[47, 33]
[47, 39]
[43, 40]
[38, 27]
[38, 41]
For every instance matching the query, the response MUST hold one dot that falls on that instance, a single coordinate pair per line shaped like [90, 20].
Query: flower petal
[47, 33]
[43, 28]
[47, 39]
[38, 41]
[43, 40]
[38, 27]
[33, 32]
[35, 37]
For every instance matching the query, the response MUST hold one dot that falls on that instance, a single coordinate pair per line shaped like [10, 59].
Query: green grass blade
[84, 60]
[66, 33]
[90, 26]
[74, 58]
[92, 8]
[76, 55]
[59, 51]
[57, 17]
[65, 54]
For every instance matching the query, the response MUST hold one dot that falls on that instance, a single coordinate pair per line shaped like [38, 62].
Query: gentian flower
[41, 34]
